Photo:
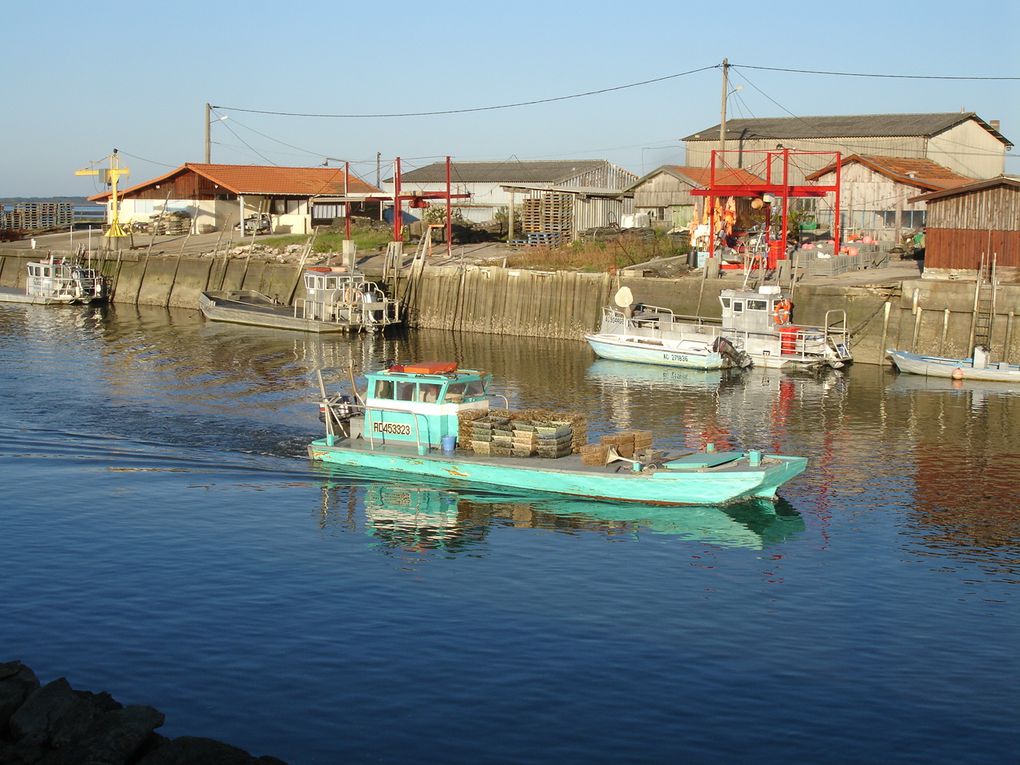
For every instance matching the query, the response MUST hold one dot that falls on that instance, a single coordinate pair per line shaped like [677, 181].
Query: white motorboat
[755, 325]
[58, 281]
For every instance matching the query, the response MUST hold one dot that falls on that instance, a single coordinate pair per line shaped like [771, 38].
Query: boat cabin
[337, 294]
[421, 403]
[759, 311]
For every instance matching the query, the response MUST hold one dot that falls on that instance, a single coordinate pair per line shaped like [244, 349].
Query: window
[383, 389]
[455, 392]
[725, 302]
[428, 392]
[738, 306]
[757, 305]
[474, 388]
[406, 391]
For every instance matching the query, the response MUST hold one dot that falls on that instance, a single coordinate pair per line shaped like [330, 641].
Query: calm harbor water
[162, 537]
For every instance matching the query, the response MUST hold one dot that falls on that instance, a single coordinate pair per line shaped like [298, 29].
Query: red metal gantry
[773, 163]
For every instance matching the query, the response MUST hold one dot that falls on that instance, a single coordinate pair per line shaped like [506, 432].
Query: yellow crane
[111, 176]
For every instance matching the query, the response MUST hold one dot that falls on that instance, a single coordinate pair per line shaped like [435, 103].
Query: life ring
[781, 312]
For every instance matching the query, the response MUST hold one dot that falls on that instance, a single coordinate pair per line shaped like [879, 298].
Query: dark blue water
[163, 538]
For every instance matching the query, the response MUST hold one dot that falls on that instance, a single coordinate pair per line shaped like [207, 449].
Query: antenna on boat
[624, 297]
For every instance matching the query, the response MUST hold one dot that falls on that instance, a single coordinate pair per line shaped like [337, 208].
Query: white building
[496, 185]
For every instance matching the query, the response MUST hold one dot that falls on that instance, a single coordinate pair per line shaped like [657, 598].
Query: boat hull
[957, 369]
[9, 295]
[568, 476]
[661, 353]
[229, 307]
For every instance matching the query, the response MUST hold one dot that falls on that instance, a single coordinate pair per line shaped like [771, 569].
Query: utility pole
[378, 168]
[722, 122]
[208, 128]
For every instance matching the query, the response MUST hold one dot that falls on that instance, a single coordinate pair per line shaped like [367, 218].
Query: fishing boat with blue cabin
[437, 420]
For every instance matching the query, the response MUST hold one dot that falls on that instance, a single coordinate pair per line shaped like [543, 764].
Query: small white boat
[336, 300]
[977, 367]
[646, 335]
[58, 281]
[755, 325]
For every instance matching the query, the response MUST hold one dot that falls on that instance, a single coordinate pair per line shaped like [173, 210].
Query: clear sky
[83, 78]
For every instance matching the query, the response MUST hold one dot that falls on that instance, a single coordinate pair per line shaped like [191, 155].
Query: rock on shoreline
[54, 724]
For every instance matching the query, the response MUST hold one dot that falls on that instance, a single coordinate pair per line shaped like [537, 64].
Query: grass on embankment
[597, 256]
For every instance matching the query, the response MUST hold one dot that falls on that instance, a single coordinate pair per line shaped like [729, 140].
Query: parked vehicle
[259, 224]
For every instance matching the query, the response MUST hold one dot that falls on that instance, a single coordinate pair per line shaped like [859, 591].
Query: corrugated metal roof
[990, 183]
[702, 176]
[844, 126]
[508, 171]
[263, 179]
[922, 173]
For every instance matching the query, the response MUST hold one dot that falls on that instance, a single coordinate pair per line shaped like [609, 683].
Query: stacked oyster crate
[524, 434]
[630, 444]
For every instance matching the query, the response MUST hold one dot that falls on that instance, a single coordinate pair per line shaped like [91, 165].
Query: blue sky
[91, 77]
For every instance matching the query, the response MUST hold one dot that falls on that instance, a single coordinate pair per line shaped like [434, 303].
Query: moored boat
[977, 367]
[409, 422]
[58, 281]
[336, 300]
[756, 324]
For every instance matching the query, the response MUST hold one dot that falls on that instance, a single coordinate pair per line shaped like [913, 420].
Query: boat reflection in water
[617, 373]
[431, 516]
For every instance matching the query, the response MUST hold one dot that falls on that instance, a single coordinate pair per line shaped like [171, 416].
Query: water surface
[164, 538]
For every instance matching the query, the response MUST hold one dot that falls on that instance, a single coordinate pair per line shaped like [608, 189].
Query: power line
[874, 74]
[475, 108]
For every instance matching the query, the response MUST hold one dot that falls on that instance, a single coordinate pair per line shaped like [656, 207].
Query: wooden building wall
[970, 150]
[962, 227]
[607, 176]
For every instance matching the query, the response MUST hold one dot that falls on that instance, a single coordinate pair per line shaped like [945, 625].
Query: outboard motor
[339, 409]
[727, 350]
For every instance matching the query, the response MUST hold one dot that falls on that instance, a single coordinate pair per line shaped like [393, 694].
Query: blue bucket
[449, 444]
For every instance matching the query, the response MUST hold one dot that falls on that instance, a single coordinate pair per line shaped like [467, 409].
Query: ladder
[982, 322]
[423, 250]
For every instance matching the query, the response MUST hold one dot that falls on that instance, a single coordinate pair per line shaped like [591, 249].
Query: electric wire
[532, 102]
[878, 75]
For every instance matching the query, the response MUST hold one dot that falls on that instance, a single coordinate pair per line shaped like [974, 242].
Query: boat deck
[682, 461]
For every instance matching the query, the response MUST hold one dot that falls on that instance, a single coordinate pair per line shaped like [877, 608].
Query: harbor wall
[928, 316]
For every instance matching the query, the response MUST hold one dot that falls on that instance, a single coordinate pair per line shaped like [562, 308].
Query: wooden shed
[966, 222]
[875, 191]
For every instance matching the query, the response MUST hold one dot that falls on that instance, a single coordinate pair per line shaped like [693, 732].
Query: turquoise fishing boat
[409, 420]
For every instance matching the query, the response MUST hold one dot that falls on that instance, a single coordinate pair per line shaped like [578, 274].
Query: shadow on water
[433, 515]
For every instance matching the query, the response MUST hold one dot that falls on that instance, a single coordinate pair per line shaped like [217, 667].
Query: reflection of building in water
[966, 470]
[419, 519]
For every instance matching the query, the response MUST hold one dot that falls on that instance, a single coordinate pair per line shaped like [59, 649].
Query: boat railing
[837, 336]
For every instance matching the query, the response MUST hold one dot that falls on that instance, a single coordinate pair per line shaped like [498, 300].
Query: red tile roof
[724, 176]
[266, 180]
[922, 173]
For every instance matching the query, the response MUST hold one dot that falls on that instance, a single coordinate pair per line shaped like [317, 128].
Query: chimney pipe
[994, 124]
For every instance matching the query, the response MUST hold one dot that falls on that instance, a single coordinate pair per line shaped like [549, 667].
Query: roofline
[872, 165]
[671, 170]
[195, 168]
[713, 132]
[999, 180]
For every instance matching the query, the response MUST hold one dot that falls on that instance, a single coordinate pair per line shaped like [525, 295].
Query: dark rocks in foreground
[54, 724]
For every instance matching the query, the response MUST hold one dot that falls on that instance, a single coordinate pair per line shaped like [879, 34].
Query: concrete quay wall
[928, 316]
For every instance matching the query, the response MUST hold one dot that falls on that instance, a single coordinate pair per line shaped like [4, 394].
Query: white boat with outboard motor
[755, 325]
[632, 334]
[58, 281]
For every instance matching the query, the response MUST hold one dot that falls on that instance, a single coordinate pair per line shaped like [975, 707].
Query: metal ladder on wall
[417, 266]
[984, 303]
